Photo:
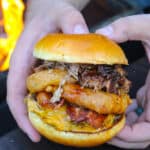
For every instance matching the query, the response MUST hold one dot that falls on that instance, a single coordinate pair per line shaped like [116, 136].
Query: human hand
[43, 17]
[136, 133]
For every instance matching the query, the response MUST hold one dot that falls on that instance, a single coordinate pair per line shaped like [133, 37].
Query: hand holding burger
[78, 93]
[136, 134]
[37, 24]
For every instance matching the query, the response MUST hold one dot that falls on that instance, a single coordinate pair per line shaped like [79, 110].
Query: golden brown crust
[71, 138]
[40, 80]
[86, 48]
[88, 98]
[101, 102]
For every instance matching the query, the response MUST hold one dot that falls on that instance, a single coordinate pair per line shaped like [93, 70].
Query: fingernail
[110, 142]
[108, 31]
[34, 139]
[79, 29]
[31, 137]
[132, 106]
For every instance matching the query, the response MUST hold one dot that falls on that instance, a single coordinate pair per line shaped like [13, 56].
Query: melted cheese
[59, 119]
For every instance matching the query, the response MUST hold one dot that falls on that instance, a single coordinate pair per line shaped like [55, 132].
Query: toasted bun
[77, 139]
[86, 48]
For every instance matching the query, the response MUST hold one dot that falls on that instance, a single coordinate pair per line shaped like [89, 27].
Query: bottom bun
[76, 139]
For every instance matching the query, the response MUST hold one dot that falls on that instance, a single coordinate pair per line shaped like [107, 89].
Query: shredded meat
[43, 99]
[73, 69]
[111, 79]
[78, 114]
[57, 94]
[106, 78]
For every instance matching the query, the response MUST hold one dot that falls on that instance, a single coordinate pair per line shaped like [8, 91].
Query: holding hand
[136, 133]
[53, 16]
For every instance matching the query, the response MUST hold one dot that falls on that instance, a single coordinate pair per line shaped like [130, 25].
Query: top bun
[85, 48]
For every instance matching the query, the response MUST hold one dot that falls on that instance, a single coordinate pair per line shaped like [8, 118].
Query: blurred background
[97, 13]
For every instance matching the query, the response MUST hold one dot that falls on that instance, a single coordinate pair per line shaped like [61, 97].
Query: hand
[136, 133]
[43, 18]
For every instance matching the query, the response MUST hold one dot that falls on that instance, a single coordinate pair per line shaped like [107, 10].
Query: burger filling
[106, 78]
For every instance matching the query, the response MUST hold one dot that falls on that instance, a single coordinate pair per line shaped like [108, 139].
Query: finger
[132, 106]
[148, 78]
[142, 117]
[128, 28]
[131, 118]
[141, 96]
[71, 21]
[20, 65]
[21, 117]
[135, 133]
[147, 48]
[147, 105]
[147, 98]
[133, 145]
[16, 86]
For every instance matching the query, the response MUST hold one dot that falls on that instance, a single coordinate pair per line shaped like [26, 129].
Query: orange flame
[12, 11]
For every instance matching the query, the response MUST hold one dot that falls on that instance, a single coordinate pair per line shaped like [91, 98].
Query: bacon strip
[78, 114]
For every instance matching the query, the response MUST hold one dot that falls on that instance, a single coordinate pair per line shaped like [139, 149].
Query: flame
[12, 11]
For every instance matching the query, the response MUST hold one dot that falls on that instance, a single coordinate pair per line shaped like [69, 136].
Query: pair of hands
[65, 17]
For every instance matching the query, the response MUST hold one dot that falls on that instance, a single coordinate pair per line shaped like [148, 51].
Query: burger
[78, 91]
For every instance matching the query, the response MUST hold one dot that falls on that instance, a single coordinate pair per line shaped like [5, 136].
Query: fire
[12, 11]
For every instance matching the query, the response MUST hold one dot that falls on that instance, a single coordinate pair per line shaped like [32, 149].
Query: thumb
[141, 96]
[147, 105]
[71, 21]
[128, 28]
